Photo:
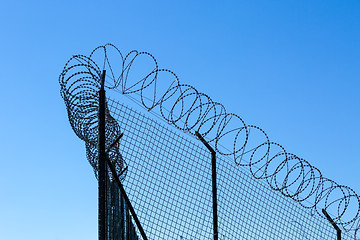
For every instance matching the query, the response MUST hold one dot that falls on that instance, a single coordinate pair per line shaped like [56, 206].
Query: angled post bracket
[338, 231]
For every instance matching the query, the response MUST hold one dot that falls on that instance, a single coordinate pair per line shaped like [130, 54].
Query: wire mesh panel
[169, 183]
[166, 184]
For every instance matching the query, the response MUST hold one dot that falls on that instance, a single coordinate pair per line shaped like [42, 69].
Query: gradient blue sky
[290, 67]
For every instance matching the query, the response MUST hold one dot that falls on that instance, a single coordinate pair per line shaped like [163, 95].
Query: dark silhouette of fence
[263, 191]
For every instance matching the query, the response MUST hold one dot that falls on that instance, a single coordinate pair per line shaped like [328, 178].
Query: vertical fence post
[102, 169]
[122, 217]
[338, 231]
[214, 189]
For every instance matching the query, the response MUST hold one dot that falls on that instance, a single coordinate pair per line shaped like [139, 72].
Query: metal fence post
[102, 169]
[214, 189]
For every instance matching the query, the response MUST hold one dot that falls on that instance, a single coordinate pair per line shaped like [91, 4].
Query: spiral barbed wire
[187, 109]
[80, 85]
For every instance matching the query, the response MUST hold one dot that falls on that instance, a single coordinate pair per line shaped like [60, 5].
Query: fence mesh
[169, 183]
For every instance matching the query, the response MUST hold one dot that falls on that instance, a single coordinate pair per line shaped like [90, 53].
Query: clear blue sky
[290, 67]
